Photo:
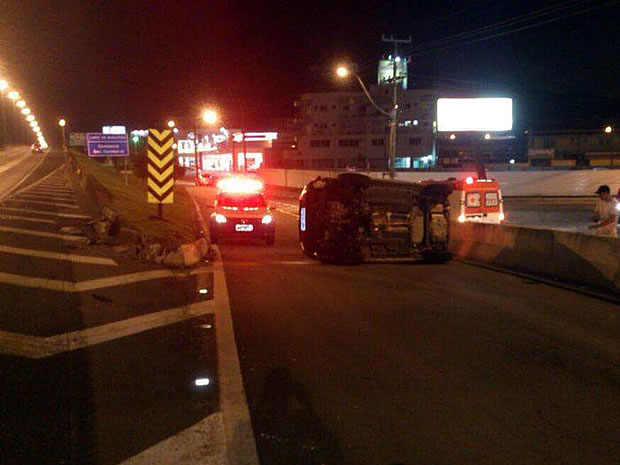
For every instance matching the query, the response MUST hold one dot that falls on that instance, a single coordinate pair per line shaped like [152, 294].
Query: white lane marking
[229, 438]
[239, 437]
[287, 208]
[233, 402]
[22, 345]
[22, 180]
[39, 181]
[54, 186]
[11, 164]
[38, 190]
[25, 345]
[200, 444]
[43, 212]
[41, 202]
[58, 256]
[51, 197]
[90, 285]
[47, 195]
[26, 218]
[294, 215]
[32, 232]
[118, 329]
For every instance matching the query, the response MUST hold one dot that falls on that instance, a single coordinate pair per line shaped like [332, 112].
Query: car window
[473, 199]
[491, 199]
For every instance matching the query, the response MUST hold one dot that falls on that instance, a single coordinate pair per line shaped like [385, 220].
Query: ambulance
[478, 200]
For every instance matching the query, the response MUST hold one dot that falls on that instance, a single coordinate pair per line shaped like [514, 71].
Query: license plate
[244, 227]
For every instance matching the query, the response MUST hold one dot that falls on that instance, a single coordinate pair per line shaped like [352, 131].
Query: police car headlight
[267, 219]
[461, 218]
[220, 218]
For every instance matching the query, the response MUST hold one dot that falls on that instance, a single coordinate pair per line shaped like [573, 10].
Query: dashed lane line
[58, 256]
[32, 232]
[90, 285]
[25, 345]
[26, 218]
[42, 202]
[48, 213]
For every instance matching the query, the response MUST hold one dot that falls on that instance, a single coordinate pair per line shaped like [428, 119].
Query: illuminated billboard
[474, 114]
[114, 130]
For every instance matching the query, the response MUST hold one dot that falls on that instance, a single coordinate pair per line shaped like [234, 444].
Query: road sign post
[160, 167]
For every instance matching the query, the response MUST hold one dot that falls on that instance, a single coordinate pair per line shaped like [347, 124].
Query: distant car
[204, 178]
[36, 148]
[242, 214]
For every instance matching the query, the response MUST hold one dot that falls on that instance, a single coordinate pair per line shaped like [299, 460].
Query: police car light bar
[240, 185]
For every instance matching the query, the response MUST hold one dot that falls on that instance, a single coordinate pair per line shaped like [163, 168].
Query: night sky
[139, 63]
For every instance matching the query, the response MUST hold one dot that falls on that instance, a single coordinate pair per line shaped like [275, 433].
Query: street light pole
[196, 147]
[608, 131]
[394, 115]
[62, 123]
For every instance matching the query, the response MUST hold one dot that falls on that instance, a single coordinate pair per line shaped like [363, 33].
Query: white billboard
[474, 114]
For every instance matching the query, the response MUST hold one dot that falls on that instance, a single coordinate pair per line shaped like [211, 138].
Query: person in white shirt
[605, 213]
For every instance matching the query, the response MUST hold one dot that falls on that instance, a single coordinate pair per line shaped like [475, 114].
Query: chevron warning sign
[160, 165]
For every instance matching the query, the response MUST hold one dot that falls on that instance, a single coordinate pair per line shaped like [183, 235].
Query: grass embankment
[131, 204]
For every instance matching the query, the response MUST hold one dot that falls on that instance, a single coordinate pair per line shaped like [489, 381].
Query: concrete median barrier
[573, 257]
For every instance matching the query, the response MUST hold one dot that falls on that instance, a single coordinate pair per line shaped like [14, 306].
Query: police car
[241, 211]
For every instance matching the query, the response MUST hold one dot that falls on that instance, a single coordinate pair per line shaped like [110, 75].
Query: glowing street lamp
[26, 111]
[13, 95]
[33, 124]
[608, 130]
[30, 118]
[21, 103]
[171, 124]
[342, 71]
[209, 116]
[4, 85]
[62, 122]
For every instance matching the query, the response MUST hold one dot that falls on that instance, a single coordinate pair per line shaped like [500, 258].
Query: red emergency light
[238, 184]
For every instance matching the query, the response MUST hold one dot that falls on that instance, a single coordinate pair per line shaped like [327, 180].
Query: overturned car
[353, 219]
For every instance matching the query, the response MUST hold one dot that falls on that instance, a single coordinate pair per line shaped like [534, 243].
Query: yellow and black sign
[160, 165]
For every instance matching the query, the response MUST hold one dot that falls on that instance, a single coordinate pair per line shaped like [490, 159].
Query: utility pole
[196, 148]
[394, 119]
[3, 140]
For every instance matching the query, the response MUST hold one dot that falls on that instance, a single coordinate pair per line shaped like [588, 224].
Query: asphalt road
[97, 360]
[419, 364]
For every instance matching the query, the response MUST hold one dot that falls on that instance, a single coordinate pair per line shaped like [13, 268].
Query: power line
[495, 27]
[512, 31]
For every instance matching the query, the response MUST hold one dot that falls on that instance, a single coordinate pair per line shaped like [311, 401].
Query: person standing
[605, 213]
